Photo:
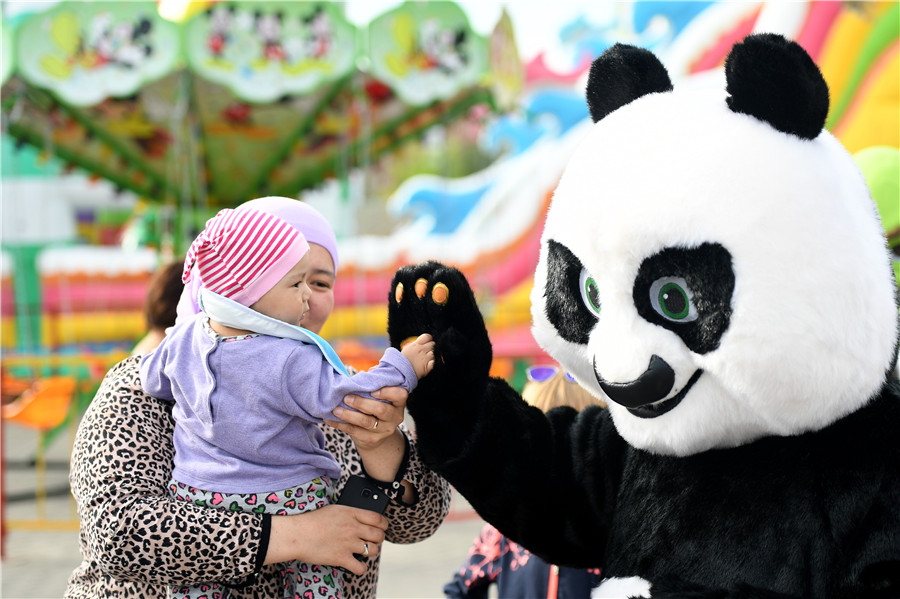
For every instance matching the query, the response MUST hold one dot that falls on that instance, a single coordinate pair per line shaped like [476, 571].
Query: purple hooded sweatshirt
[247, 422]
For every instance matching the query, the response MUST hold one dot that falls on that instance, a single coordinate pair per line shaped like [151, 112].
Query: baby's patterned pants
[301, 580]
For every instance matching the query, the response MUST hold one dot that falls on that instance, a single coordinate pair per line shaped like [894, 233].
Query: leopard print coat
[135, 539]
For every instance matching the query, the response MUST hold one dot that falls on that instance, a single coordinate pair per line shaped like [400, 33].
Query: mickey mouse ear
[774, 80]
[622, 74]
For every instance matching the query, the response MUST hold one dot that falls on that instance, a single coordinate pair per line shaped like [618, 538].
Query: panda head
[712, 264]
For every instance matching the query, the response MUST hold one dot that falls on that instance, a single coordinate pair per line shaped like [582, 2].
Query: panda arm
[546, 481]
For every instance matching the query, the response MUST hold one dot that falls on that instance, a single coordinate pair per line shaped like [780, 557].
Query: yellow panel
[873, 118]
[841, 48]
[7, 332]
[360, 321]
[513, 308]
[92, 327]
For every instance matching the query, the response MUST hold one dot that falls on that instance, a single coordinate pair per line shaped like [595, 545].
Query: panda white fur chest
[713, 267]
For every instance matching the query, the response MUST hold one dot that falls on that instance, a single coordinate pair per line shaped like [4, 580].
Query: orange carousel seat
[11, 387]
[44, 405]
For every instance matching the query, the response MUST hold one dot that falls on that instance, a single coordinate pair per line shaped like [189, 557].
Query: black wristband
[264, 536]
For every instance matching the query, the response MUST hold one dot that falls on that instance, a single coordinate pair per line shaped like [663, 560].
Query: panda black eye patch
[565, 308]
[688, 291]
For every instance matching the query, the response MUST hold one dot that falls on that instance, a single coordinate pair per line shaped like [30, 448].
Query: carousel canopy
[241, 98]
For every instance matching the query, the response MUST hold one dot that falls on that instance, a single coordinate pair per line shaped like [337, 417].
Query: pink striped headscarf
[242, 253]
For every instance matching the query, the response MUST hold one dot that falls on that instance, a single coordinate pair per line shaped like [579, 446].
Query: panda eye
[672, 299]
[590, 293]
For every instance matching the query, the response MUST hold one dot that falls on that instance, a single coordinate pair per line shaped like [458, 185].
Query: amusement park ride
[242, 99]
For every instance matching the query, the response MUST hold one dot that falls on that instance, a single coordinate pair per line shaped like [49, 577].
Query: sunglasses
[540, 374]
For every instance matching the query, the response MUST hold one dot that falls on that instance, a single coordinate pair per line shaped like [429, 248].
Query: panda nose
[653, 385]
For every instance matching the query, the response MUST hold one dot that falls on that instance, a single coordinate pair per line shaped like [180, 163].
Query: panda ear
[621, 74]
[774, 80]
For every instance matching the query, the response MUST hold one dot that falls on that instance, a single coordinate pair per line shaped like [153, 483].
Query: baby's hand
[420, 354]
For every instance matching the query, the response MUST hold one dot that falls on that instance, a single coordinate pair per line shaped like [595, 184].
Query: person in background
[163, 293]
[549, 387]
[494, 559]
[250, 385]
[122, 463]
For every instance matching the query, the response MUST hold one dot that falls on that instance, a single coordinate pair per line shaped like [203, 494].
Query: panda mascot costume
[712, 266]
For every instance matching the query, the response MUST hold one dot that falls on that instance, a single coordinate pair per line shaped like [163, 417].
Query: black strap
[394, 488]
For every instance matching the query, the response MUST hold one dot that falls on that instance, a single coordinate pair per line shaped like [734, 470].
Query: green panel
[27, 299]
[426, 51]
[880, 165]
[136, 142]
[241, 140]
[25, 160]
[263, 51]
[7, 52]
[318, 155]
[87, 51]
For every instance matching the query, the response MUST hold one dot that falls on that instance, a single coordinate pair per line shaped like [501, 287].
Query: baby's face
[288, 300]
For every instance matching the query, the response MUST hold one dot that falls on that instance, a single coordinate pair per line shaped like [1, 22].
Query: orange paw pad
[440, 294]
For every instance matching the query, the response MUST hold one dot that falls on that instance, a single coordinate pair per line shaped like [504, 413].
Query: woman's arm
[328, 535]
[381, 445]
[388, 454]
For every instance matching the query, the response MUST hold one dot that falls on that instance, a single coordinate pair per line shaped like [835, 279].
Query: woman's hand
[329, 535]
[375, 421]
[374, 431]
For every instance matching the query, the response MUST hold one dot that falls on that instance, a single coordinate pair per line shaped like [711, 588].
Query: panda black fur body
[713, 267]
[811, 515]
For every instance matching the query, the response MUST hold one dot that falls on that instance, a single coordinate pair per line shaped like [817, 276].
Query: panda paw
[434, 298]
